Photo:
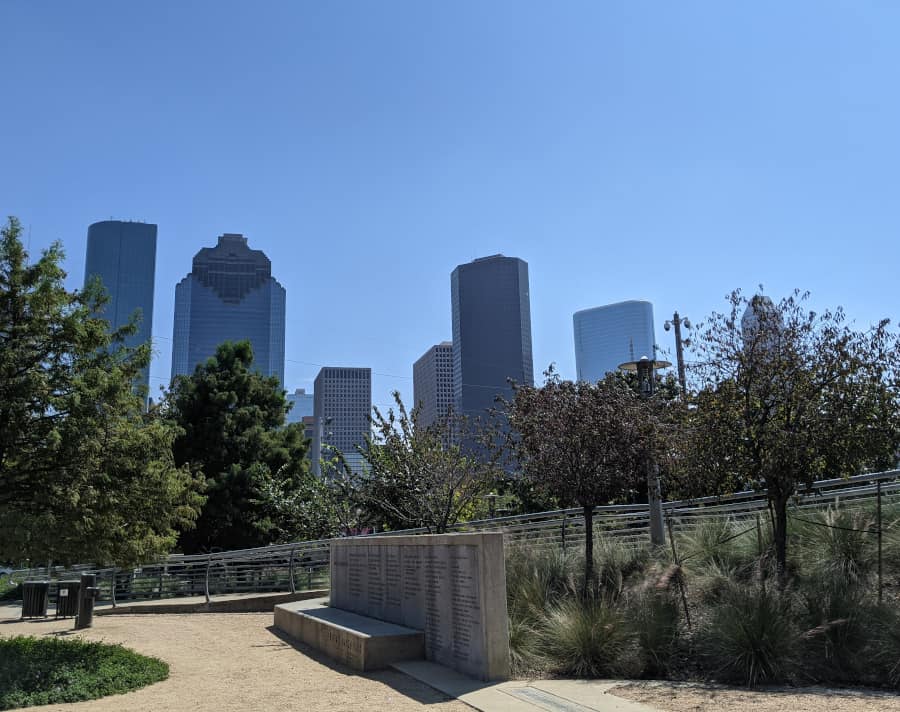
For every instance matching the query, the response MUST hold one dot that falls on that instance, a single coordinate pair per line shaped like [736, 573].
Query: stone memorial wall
[451, 586]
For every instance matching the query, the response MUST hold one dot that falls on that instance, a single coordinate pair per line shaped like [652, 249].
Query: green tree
[232, 423]
[418, 476]
[586, 444]
[84, 474]
[789, 397]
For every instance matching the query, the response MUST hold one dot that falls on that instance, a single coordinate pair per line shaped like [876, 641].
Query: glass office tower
[491, 331]
[123, 255]
[229, 295]
[608, 336]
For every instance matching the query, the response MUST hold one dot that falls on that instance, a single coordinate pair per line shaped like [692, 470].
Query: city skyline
[599, 142]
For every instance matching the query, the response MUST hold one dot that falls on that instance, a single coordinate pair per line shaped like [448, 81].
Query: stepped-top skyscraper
[608, 336]
[123, 255]
[229, 295]
[491, 331]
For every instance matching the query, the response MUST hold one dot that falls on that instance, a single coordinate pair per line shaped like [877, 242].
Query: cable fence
[301, 566]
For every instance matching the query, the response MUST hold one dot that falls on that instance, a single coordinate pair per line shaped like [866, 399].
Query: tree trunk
[779, 504]
[588, 551]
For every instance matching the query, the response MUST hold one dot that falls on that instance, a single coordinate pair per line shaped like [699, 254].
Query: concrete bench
[359, 642]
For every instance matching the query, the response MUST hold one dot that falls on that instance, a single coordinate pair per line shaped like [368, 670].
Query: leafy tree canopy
[585, 444]
[84, 474]
[232, 423]
[419, 476]
[788, 396]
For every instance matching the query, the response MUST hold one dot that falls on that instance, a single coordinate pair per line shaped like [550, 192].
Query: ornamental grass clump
[588, 639]
[837, 544]
[750, 637]
[653, 614]
[722, 543]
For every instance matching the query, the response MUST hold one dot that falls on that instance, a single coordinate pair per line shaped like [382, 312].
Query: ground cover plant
[40, 671]
[723, 612]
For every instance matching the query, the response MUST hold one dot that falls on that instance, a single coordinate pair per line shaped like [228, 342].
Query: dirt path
[676, 697]
[237, 662]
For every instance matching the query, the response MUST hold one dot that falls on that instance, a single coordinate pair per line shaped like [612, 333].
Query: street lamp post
[646, 382]
[677, 321]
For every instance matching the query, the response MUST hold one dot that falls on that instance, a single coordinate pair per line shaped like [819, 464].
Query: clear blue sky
[666, 151]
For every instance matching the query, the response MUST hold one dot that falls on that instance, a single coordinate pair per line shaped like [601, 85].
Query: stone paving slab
[522, 695]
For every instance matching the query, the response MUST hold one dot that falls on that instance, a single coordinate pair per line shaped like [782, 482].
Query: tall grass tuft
[618, 564]
[750, 636]
[837, 614]
[588, 639]
[653, 615]
[837, 543]
[713, 543]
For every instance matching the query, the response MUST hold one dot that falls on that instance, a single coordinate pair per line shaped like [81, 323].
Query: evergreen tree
[85, 475]
[232, 430]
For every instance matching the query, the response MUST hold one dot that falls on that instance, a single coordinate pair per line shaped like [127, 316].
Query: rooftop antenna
[631, 347]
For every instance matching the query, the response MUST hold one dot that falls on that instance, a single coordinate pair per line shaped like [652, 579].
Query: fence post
[160, 580]
[112, 588]
[208, 563]
[564, 533]
[878, 524]
[687, 614]
[759, 544]
[291, 570]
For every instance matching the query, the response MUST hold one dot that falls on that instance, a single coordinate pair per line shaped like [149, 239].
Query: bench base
[357, 641]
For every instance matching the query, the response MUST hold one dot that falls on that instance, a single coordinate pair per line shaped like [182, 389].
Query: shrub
[750, 637]
[40, 671]
[588, 639]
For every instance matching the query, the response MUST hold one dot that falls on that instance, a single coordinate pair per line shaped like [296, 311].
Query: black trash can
[67, 599]
[88, 594]
[35, 597]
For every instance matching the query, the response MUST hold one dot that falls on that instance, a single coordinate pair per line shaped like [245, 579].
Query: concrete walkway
[522, 695]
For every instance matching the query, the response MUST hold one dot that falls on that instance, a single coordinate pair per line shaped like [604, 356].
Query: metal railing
[304, 565]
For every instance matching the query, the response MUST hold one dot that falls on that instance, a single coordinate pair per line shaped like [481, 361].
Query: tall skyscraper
[608, 336]
[491, 331]
[343, 406]
[229, 295]
[123, 256]
[761, 324]
[302, 405]
[433, 383]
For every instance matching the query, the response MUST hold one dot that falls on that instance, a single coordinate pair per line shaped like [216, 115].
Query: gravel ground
[236, 662]
[678, 697]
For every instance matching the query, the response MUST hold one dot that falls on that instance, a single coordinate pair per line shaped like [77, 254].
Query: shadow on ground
[397, 681]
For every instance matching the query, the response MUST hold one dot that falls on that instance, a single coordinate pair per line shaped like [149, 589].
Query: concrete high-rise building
[608, 336]
[433, 383]
[302, 403]
[491, 331]
[123, 255]
[229, 295]
[343, 406]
